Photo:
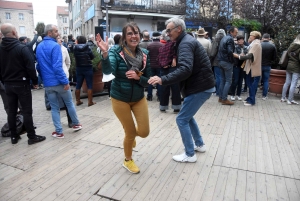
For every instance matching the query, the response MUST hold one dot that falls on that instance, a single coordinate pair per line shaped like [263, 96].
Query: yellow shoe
[134, 144]
[131, 166]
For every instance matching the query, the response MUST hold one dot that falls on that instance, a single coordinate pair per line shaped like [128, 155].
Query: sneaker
[131, 166]
[77, 127]
[247, 104]
[244, 101]
[292, 102]
[201, 149]
[283, 100]
[239, 98]
[176, 110]
[232, 98]
[227, 102]
[184, 158]
[58, 135]
[265, 98]
[36, 139]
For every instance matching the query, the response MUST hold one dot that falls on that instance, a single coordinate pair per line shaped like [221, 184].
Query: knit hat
[156, 34]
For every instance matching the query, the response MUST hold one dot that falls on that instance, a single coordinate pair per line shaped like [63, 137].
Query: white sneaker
[232, 98]
[201, 149]
[239, 98]
[184, 158]
[283, 100]
[265, 98]
[292, 102]
[247, 104]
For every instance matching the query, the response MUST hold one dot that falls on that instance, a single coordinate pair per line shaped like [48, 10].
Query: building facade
[150, 15]
[62, 17]
[20, 14]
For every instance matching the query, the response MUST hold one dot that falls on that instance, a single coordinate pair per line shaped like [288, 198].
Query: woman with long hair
[292, 72]
[130, 65]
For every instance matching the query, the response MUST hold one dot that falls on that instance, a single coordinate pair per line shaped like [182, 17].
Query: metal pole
[107, 27]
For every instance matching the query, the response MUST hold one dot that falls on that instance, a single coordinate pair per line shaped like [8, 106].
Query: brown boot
[90, 97]
[227, 102]
[77, 95]
[220, 100]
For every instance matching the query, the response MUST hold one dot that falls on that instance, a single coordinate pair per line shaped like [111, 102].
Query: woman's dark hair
[132, 25]
[70, 37]
[81, 39]
[239, 37]
[117, 38]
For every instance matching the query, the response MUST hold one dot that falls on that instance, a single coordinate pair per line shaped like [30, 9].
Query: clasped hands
[155, 80]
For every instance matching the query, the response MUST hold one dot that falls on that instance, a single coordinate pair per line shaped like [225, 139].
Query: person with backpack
[167, 61]
[292, 72]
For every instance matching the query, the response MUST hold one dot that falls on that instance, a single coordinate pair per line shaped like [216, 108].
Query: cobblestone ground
[41, 116]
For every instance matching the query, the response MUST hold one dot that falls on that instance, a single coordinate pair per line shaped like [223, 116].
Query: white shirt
[66, 60]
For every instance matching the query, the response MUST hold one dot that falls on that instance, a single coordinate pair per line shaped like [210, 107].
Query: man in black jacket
[30, 44]
[196, 83]
[16, 71]
[269, 54]
[226, 61]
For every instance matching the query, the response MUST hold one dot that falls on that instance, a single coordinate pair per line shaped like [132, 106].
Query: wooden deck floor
[253, 153]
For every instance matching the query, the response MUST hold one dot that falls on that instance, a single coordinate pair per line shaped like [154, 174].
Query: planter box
[276, 81]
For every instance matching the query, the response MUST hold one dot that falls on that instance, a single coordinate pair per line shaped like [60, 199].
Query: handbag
[283, 62]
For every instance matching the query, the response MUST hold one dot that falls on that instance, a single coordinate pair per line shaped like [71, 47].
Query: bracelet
[104, 51]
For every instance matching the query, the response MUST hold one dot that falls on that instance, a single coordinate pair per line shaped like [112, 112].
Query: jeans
[252, 83]
[21, 93]
[226, 79]
[237, 81]
[84, 74]
[291, 79]
[124, 111]
[165, 92]
[217, 72]
[265, 79]
[186, 123]
[154, 71]
[53, 94]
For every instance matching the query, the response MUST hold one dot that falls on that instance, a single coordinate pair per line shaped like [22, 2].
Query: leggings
[124, 111]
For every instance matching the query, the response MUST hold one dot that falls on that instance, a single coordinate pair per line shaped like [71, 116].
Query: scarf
[136, 62]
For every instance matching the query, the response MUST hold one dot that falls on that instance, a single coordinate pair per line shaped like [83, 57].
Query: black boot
[14, 140]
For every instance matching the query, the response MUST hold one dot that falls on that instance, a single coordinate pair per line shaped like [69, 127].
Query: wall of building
[25, 26]
[63, 24]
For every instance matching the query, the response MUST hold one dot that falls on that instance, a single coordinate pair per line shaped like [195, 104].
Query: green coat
[122, 88]
[294, 58]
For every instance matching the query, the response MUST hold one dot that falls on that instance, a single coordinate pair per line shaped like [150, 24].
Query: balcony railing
[176, 7]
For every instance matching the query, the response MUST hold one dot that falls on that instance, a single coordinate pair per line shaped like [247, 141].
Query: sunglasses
[169, 30]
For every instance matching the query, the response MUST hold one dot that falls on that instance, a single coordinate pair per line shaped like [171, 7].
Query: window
[65, 31]
[21, 16]
[7, 16]
[22, 30]
[64, 20]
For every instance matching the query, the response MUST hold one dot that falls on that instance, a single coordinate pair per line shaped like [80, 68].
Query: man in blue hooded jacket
[49, 58]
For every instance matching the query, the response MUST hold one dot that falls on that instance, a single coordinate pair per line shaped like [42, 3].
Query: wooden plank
[241, 185]
[243, 161]
[229, 193]
[259, 151]
[8, 172]
[96, 198]
[230, 143]
[261, 191]
[251, 147]
[200, 185]
[251, 187]
[281, 188]
[269, 169]
[293, 189]
[211, 184]
[271, 188]
[234, 163]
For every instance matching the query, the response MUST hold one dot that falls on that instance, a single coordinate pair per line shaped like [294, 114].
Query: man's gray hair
[48, 27]
[91, 36]
[177, 22]
[164, 35]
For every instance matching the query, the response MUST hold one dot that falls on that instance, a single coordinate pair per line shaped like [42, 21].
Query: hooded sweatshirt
[16, 63]
[294, 58]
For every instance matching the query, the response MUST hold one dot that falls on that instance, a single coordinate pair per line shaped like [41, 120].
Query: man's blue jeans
[53, 94]
[252, 83]
[265, 78]
[217, 72]
[186, 123]
[226, 79]
[154, 71]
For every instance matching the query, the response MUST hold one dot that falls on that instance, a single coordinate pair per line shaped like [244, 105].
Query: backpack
[283, 62]
[166, 54]
[5, 132]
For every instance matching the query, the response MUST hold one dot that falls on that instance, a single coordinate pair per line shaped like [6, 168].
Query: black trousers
[21, 93]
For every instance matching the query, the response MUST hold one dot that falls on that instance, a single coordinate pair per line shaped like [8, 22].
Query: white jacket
[66, 60]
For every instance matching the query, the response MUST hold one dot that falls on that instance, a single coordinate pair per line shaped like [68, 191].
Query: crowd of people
[180, 66]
